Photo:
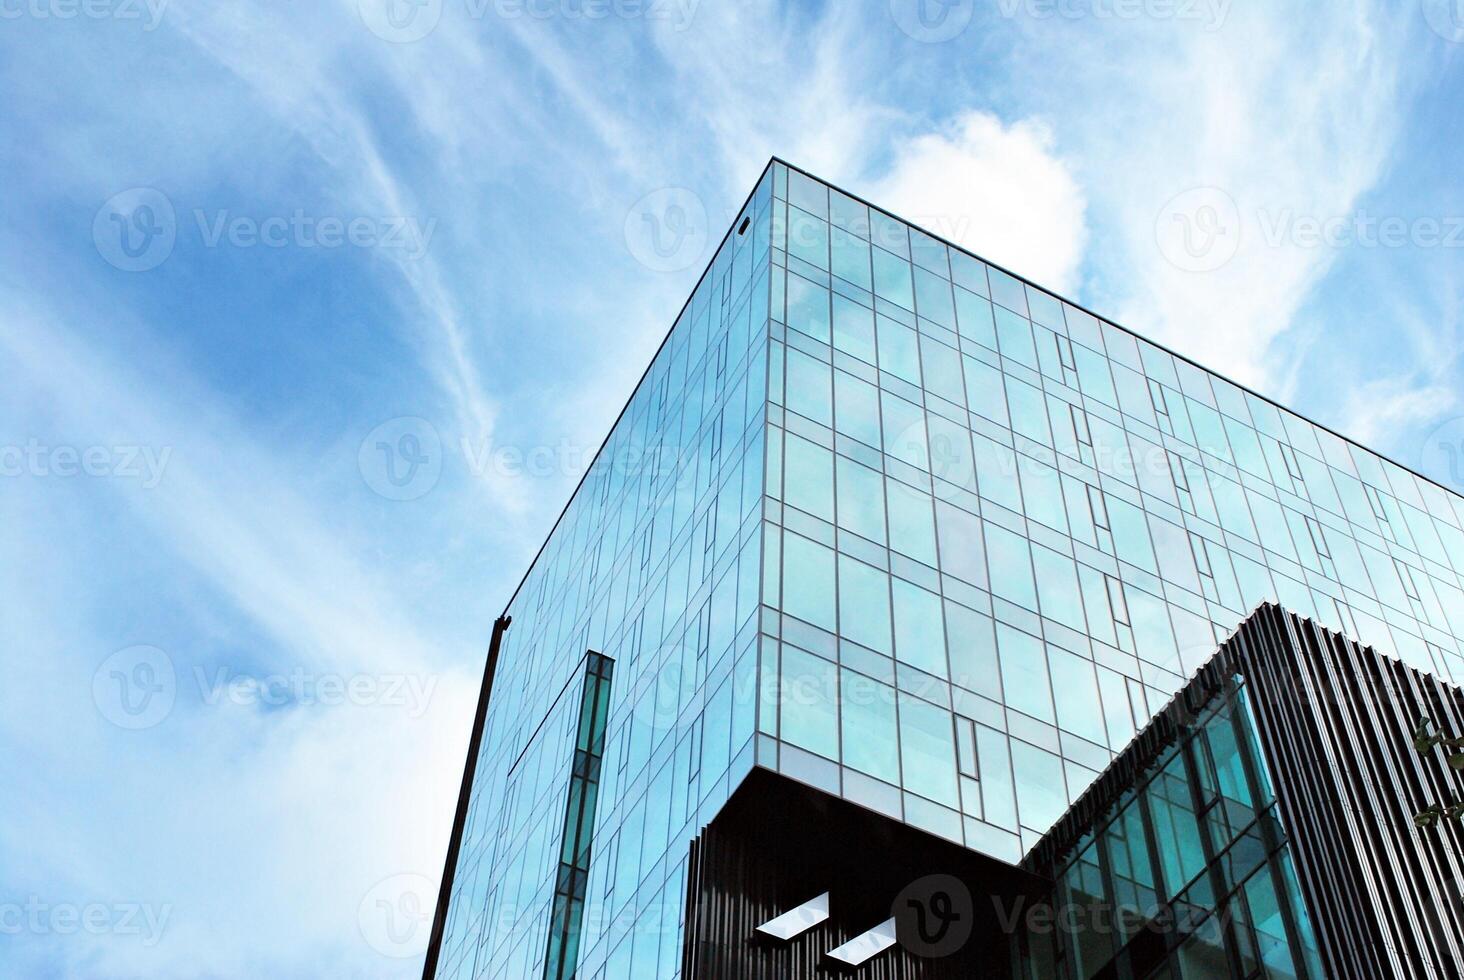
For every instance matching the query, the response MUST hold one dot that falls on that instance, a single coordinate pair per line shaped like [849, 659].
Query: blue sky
[311, 323]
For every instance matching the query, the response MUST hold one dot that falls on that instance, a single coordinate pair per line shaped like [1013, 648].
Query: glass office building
[897, 525]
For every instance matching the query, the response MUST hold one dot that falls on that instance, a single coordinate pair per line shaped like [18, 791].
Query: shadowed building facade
[892, 542]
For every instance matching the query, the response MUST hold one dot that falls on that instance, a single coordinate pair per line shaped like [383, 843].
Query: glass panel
[998, 800]
[1181, 852]
[858, 409]
[912, 522]
[808, 477]
[809, 716]
[919, 636]
[808, 581]
[871, 744]
[1078, 708]
[808, 308]
[898, 350]
[892, 279]
[854, 329]
[1270, 927]
[1011, 566]
[1081, 888]
[928, 750]
[864, 604]
[808, 388]
[851, 259]
[972, 642]
[1041, 796]
[1024, 672]
[861, 500]
[1202, 957]
[1136, 893]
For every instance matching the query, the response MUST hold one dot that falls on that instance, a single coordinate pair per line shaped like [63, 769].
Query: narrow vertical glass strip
[579, 821]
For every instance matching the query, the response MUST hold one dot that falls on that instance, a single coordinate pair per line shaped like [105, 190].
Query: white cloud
[1377, 410]
[769, 80]
[1001, 191]
[244, 822]
[1284, 114]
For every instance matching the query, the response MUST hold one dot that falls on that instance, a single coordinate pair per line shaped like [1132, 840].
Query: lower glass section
[1188, 876]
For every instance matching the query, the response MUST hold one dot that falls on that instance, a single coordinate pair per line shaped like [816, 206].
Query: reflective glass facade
[903, 527]
[1001, 532]
[654, 564]
[1189, 875]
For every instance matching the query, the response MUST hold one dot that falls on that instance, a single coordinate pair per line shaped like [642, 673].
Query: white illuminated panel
[799, 920]
[866, 946]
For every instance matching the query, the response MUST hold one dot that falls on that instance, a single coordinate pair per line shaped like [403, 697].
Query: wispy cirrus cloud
[264, 807]
[1193, 141]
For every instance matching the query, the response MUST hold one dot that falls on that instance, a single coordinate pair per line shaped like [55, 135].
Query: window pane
[1041, 793]
[864, 604]
[904, 431]
[933, 298]
[1014, 334]
[808, 477]
[810, 718]
[962, 553]
[998, 801]
[808, 308]
[986, 391]
[808, 387]
[870, 741]
[1011, 566]
[974, 319]
[858, 408]
[919, 637]
[912, 524]
[950, 452]
[861, 500]
[897, 350]
[928, 750]
[1133, 874]
[1029, 411]
[1024, 673]
[972, 642]
[854, 329]
[996, 472]
[1042, 495]
[1181, 854]
[1057, 587]
[942, 370]
[968, 272]
[1078, 708]
[851, 258]
[808, 238]
[892, 279]
[808, 581]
